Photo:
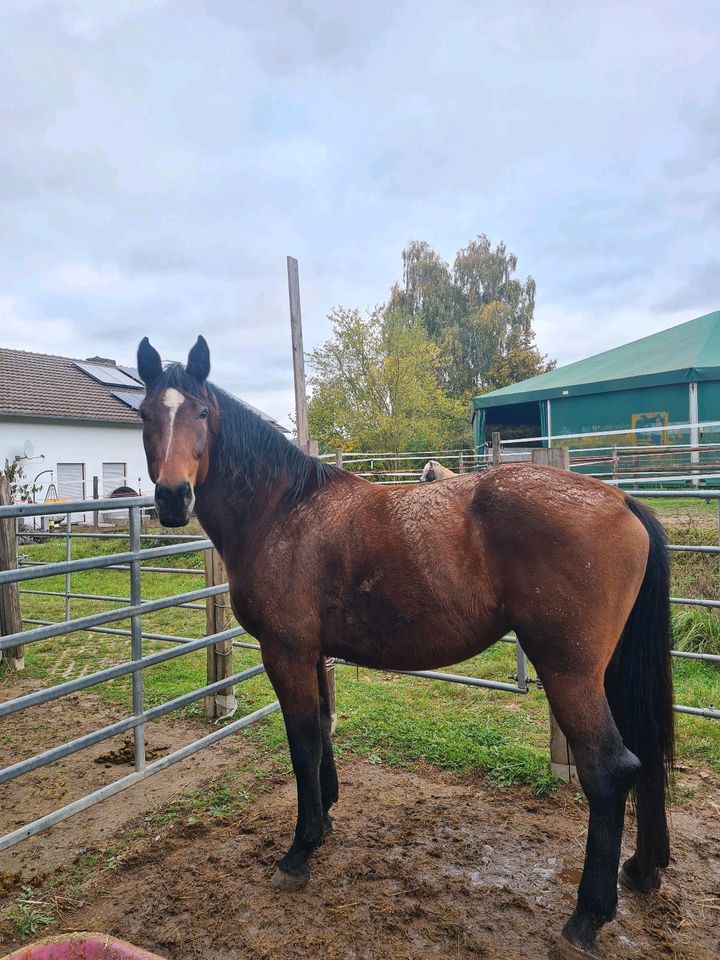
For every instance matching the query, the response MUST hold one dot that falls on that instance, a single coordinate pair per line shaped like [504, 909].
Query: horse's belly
[419, 646]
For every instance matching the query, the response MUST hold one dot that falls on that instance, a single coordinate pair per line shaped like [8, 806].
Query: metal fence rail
[134, 608]
[624, 457]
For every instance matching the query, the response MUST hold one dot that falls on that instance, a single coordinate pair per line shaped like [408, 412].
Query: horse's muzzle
[174, 504]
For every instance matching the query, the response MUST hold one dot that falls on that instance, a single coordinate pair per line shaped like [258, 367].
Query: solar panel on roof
[133, 400]
[110, 376]
[131, 372]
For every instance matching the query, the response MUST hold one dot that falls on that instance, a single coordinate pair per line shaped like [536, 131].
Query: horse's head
[180, 416]
[435, 471]
[428, 472]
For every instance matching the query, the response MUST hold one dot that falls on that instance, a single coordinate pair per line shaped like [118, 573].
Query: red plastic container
[81, 946]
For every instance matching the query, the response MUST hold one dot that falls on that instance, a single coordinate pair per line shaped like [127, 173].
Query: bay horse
[435, 471]
[322, 563]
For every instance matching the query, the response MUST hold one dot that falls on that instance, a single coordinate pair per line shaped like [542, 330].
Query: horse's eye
[204, 414]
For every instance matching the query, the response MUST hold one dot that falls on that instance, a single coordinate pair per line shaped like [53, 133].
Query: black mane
[249, 451]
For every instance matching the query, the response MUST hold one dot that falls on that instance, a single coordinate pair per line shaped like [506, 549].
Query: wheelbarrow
[81, 946]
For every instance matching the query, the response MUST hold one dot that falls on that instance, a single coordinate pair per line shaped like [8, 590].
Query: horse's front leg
[296, 686]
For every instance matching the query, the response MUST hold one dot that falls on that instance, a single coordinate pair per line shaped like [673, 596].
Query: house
[71, 421]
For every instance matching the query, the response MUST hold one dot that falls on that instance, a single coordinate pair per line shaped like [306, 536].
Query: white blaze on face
[173, 400]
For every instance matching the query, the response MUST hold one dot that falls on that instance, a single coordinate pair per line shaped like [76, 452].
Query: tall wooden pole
[301, 422]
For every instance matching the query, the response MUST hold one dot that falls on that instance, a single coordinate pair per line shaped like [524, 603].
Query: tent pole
[693, 421]
[549, 424]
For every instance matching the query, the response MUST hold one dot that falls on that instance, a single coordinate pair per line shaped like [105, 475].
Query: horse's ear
[149, 362]
[198, 364]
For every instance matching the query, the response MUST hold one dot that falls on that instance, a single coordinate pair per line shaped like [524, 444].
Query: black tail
[638, 683]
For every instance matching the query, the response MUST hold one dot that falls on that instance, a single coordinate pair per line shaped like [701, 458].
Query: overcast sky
[158, 161]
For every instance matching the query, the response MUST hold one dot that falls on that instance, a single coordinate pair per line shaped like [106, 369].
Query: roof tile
[46, 386]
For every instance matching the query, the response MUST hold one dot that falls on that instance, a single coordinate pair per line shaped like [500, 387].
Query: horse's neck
[229, 517]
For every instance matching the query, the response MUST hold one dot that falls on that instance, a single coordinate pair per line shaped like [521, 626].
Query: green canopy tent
[670, 377]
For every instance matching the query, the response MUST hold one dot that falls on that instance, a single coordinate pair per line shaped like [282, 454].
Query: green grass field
[385, 718]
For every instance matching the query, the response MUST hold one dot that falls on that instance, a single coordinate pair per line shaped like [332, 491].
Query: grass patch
[681, 505]
[696, 630]
[28, 915]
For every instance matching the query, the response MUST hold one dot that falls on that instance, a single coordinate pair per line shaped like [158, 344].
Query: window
[71, 481]
[113, 476]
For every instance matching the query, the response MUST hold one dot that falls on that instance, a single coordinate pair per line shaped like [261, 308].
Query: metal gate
[135, 666]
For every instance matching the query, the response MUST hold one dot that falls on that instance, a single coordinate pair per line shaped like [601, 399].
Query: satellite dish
[28, 450]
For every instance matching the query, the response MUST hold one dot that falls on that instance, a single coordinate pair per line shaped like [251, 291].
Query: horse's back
[524, 536]
[504, 495]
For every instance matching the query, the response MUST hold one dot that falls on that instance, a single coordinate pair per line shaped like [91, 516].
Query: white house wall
[90, 444]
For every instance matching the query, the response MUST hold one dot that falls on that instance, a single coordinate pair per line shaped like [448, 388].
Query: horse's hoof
[288, 882]
[564, 950]
[639, 884]
[328, 822]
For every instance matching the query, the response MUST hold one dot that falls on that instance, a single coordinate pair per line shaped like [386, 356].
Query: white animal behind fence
[435, 471]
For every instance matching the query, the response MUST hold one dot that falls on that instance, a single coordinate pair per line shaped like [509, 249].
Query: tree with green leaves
[375, 386]
[402, 378]
[477, 312]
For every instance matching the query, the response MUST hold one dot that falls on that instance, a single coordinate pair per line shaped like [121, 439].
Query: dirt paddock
[418, 866]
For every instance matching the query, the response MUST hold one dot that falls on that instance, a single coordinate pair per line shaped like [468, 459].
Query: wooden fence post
[562, 762]
[298, 355]
[10, 616]
[219, 655]
[496, 452]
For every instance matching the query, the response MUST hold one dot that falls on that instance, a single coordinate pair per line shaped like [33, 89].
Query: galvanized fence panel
[132, 561]
[133, 608]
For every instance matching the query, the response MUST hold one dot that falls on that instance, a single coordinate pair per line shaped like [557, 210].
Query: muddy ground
[36, 794]
[420, 864]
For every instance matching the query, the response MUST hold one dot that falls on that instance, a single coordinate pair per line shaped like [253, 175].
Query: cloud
[160, 159]
[701, 292]
[25, 328]
[579, 333]
[85, 278]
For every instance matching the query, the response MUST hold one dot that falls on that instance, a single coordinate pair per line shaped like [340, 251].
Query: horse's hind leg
[296, 686]
[607, 771]
[328, 773]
